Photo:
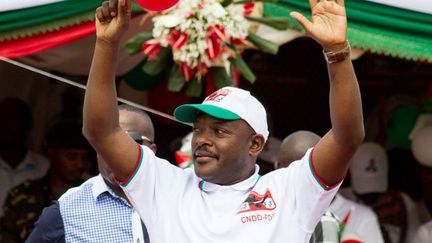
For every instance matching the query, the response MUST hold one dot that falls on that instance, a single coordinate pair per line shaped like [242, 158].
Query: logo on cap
[372, 166]
[218, 95]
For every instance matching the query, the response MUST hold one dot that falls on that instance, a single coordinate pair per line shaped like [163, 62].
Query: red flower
[186, 70]
[202, 69]
[151, 48]
[215, 36]
[217, 31]
[237, 41]
[177, 39]
[214, 48]
[248, 8]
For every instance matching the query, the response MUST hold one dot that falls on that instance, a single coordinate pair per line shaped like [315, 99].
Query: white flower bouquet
[199, 38]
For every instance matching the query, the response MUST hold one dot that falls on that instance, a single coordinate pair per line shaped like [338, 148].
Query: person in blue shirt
[98, 210]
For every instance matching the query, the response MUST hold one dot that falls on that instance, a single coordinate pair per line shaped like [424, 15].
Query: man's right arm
[101, 116]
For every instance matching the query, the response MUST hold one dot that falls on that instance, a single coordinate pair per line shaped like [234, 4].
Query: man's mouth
[203, 157]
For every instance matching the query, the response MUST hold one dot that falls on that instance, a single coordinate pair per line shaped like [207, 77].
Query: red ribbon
[178, 39]
[151, 48]
[248, 8]
[186, 70]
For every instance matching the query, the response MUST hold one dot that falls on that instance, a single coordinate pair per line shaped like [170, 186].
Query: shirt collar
[245, 185]
[99, 186]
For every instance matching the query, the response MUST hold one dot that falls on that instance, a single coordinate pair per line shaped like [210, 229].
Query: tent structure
[387, 27]
[379, 28]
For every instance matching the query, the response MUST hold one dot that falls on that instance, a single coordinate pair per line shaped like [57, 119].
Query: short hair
[142, 113]
[295, 145]
[130, 108]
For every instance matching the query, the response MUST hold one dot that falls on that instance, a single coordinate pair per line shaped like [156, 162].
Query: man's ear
[257, 145]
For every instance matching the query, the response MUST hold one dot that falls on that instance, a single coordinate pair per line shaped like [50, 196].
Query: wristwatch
[338, 56]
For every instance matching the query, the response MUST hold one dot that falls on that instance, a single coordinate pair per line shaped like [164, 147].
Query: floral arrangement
[202, 39]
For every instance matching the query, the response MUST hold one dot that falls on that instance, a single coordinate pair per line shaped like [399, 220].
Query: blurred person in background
[106, 205]
[354, 221]
[68, 152]
[397, 213]
[17, 162]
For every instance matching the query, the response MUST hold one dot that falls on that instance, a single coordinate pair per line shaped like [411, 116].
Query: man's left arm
[332, 154]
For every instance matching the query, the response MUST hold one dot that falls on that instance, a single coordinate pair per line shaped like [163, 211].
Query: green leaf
[176, 80]
[279, 23]
[220, 77]
[247, 1]
[133, 45]
[225, 3]
[263, 44]
[244, 69]
[139, 80]
[194, 88]
[136, 9]
[155, 67]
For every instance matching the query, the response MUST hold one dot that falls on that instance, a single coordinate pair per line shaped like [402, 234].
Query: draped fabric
[34, 29]
[372, 26]
[376, 28]
[25, 46]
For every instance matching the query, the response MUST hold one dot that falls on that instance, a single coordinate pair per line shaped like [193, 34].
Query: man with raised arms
[223, 199]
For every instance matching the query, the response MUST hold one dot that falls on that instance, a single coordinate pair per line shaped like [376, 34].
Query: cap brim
[189, 112]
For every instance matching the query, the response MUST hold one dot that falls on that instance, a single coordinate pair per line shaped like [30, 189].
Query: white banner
[7, 5]
[424, 6]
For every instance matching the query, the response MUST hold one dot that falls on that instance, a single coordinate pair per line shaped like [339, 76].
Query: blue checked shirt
[90, 213]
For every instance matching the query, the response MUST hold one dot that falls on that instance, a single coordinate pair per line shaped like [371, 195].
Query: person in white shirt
[397, 213]
[355, 219]
[17, 162]
[224, 199]
[424, 234]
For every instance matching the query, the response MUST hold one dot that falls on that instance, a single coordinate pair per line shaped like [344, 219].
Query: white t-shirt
[424, 234]
[33, 166]
[362, 221]
[413, 217]
[177, 206]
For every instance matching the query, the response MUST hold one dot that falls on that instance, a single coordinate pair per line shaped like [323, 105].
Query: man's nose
[202, 138]
[81, 162]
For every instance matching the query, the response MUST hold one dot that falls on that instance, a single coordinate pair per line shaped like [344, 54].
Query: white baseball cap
[369, 169]
[228, 103]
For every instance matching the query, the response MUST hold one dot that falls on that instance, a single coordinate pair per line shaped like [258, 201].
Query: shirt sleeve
[423, 234]
[370, 230]
[150, 186]
[413, 218]
[308, 196]
[49, 227]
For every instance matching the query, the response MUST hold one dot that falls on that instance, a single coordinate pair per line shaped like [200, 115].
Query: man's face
[69, 163]
[223, 150]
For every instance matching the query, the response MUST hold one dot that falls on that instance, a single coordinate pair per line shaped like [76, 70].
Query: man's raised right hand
[112, 20]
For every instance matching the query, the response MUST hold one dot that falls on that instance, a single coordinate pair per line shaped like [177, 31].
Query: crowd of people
[219, 193]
